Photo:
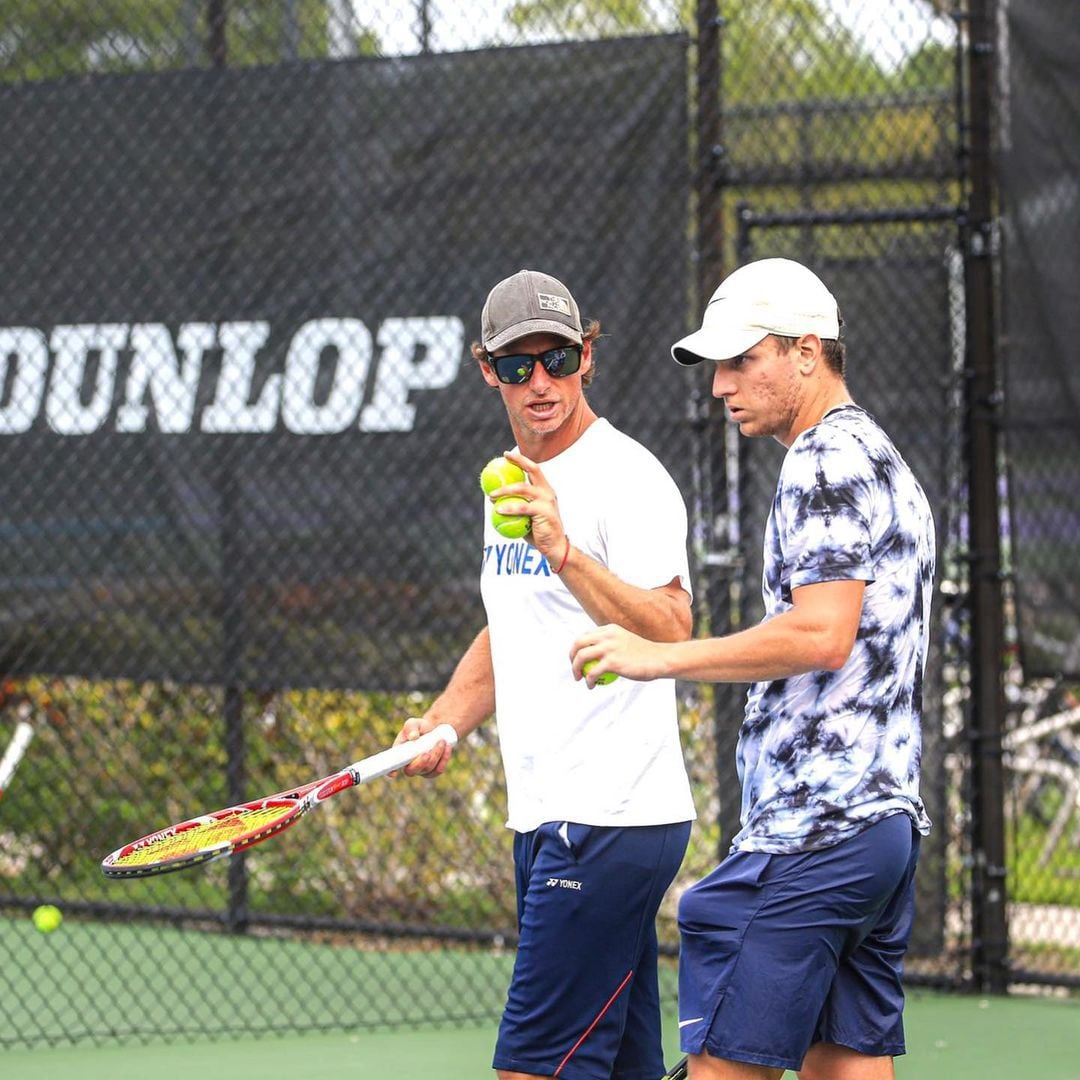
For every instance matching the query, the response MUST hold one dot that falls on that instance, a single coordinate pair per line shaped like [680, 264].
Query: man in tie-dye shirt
[792, 949]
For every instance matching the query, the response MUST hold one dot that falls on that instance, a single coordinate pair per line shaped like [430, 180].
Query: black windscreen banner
[1041, 185]
[240, 423]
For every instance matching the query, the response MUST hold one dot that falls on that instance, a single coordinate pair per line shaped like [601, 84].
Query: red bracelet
[565, 556]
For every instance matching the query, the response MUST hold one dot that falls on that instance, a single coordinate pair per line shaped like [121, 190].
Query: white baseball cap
[770, 296]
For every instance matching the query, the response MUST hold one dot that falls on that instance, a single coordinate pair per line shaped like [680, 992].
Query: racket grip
[397, 757]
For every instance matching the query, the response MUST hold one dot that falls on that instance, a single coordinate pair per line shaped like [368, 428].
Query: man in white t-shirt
[598, 795]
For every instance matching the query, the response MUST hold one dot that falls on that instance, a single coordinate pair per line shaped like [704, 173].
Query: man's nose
[539, 379]
[722, 383]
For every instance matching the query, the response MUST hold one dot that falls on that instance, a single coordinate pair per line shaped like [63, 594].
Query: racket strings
[211, 833]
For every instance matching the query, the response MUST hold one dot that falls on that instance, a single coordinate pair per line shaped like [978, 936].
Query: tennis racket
[236, 828]
[20, 740]
[680, 1072]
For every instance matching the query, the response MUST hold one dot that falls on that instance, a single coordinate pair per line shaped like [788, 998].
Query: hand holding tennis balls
[512, 526]
[47, 918]
[623, 653]
[603, 680]
[497, 473]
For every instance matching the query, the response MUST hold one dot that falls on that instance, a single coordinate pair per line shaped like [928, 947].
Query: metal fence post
[718, 566]
[990, 944]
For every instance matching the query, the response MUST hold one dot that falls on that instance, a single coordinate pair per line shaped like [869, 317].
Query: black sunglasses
[518, 368]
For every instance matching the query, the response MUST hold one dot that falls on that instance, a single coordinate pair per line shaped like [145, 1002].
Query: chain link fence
[246, 247]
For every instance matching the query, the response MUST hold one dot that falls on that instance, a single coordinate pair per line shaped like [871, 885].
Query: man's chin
[543, 425]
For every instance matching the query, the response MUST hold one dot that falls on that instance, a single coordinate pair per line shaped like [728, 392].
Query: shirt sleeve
[645, 530]
[825, 502]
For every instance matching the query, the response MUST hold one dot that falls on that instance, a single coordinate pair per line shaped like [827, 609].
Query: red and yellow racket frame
[236, 828]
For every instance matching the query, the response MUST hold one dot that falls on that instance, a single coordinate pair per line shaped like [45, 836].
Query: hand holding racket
[236, 828]
[430, 764]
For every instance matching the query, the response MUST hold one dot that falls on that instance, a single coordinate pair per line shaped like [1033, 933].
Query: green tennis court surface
[199, 989]
[949, 1038]
[164, 982]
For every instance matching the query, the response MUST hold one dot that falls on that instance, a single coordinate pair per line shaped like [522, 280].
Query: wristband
[565, 555]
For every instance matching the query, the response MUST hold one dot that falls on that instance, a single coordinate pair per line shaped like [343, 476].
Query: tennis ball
[47, 918]
[512, 526]
[605, 679]
[499, 472]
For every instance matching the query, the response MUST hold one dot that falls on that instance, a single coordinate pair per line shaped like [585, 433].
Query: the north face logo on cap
[548, 302]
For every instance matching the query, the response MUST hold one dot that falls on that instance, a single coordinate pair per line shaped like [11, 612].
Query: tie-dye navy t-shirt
[823, 755]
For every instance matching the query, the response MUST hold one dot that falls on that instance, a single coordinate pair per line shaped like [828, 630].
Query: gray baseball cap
[528, 303]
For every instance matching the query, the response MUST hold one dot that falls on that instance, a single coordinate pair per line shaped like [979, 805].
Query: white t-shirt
[610, 755]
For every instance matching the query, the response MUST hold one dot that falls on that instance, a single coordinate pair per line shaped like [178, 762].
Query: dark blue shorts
[779, 952]
[584, 1000]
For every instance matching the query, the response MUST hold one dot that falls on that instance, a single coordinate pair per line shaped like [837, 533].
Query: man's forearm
[661, 614]
[469, 697]
[789, 644]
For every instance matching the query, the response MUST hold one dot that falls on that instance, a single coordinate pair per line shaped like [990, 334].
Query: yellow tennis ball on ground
[605, 679]
[512, 526]
[499, 472]
[47, 918]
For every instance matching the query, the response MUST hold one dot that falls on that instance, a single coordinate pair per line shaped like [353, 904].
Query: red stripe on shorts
[599, 1016]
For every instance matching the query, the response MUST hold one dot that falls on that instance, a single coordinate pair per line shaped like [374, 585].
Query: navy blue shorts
[584, 1000]
[779, 952]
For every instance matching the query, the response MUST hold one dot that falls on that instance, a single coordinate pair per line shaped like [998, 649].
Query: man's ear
[586, 355]
[810, 352]
[488, 373]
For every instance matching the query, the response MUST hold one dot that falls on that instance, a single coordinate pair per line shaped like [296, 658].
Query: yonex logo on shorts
[562, 883]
